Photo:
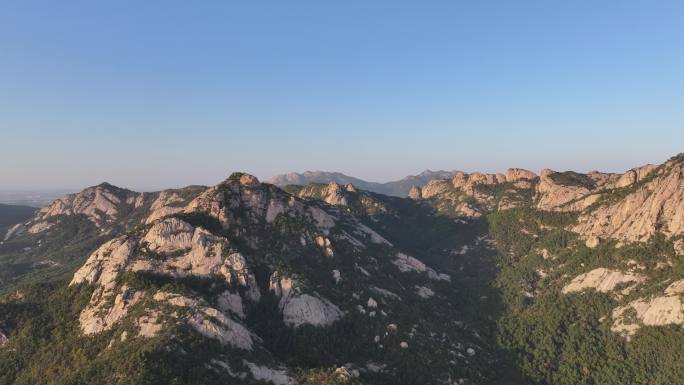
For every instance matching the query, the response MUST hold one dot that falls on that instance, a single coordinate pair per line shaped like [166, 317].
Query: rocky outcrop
[424, 292]
[310, 309]
[300, 308]
[170, 247]
[434, 188]
[466, 181]
[103, 265]
[517, 174]
[633, 176]
[208, 321]
[149, 324]
[552, 195]
[100, 315]
[655, 206]
[167, 203]
[212, 323]
[406, 264]
[602, 280]
[278, 376]
[658, 311]
[333, 194]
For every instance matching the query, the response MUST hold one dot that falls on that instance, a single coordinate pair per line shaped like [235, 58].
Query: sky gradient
[152, 94]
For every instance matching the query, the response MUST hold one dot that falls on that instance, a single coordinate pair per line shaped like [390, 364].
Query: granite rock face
[602, 280]
[654, 206]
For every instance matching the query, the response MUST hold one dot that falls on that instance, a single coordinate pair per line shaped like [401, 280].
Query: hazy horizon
[148, 188]
[173, 95]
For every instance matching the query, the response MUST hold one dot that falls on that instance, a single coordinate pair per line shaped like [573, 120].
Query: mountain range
[398, 188]
[471, 278]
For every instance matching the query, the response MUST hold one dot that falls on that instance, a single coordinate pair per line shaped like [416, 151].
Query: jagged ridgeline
[517, 278]
[246, 283]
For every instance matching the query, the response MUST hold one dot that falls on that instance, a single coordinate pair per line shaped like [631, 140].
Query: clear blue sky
[150, 94]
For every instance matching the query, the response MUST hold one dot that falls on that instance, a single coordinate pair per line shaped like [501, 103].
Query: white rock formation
[299, 308]
[406, 263]
[14, 231]
[167, 203]
[602, 280]
[98, 316]
[424, 292]
[264, 373]
[310, 309]
[103, 265]
[210, 322]
[663, 310]
[149, 324]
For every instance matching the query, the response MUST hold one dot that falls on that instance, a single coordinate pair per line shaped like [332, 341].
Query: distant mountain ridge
[398, 188]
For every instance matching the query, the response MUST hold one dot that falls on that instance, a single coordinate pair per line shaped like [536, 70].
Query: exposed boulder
[104, 264]
[299, 308]
[310, 309]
